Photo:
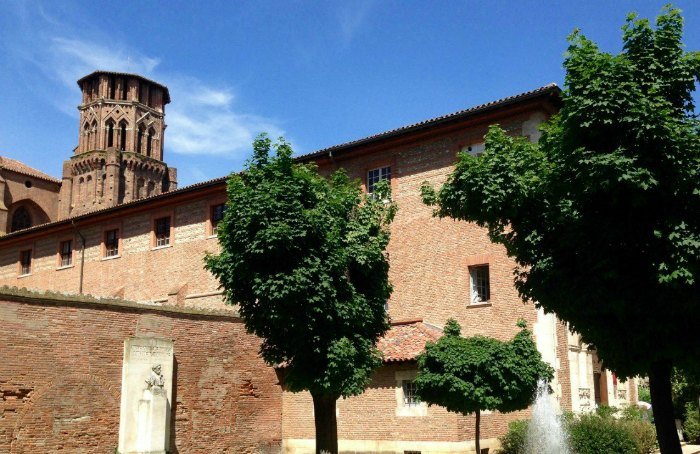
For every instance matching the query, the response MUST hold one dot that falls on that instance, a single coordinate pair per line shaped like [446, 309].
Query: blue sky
[320, 73]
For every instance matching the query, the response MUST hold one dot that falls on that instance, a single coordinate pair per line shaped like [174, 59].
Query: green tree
[603, 215]
[304, 259]
[469, 375]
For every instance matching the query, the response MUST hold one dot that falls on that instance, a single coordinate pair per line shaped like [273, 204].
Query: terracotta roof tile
[548, 89]
[406, 340]
[20, 167]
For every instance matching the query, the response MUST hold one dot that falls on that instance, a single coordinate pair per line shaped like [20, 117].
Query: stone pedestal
[147, 378]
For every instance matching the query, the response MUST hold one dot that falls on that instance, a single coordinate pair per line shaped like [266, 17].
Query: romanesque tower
[119, 157]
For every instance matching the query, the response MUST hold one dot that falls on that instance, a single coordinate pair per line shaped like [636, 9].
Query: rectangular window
[66, 252]
[410, 399]
[25, 262]
[217, 214]
[374, 176]
[481, 287]
[112, 243]
[162, 229]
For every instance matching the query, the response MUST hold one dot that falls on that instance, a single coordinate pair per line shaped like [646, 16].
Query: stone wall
[61, 369]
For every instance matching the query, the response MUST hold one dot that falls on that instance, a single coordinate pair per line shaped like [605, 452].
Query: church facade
[117, 228]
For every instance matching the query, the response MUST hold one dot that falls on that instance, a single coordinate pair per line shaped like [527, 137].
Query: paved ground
[691, 449]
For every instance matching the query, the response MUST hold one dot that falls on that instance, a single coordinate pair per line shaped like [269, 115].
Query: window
[149, 143]
[217, 214]
[162, 230]
[475, 149]
[374, 176]
[65, 251]
[112, 243]
[110, 134]
[21, 219]
[481, 287]
[25, 262]
[122, 135]
[410, 399]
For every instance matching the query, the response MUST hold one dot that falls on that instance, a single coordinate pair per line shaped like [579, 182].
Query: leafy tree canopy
[466, 375]
[469, 375]
[603, 215]
[303, 258]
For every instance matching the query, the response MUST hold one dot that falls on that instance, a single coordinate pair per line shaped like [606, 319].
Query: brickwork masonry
[60, 388]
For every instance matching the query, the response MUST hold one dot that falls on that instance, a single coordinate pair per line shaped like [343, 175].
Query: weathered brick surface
[429, 270]
[141, 272]
[372, 416]
[60, 379]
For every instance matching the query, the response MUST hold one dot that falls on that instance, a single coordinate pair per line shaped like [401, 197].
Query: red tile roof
[20, 167]
[547, 90]
[406, 340]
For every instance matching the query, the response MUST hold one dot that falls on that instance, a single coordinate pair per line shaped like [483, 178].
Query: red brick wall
[60, 378]
[430, 256]
[141, 272]
[372, 416]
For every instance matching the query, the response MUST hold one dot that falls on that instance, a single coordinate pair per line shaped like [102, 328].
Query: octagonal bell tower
[119, 157]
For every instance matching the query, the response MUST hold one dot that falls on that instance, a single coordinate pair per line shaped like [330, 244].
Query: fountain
[545, 434]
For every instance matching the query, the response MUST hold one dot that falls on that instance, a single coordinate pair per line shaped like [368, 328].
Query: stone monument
[147, 379]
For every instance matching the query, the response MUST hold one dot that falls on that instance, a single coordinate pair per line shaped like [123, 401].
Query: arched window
[149, 144]
[82, 191]
[112, 87]
[139, 188]
[86, 136]
[110, 133]
[101, 186]
[90, 192]
[139, 139]
[125, 88]
[21, 219]
[122, 135]
[93, 136]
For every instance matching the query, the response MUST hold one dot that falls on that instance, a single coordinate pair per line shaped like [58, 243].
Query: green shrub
[643, 394]
[635, 413]
[643, 435]
[592, 434]
[514, 441]
[605, 411]
[595, 433]
[691, 427]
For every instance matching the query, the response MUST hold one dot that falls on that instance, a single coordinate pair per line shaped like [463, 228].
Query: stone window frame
[419, 410]
[59, 252]
[471, 264]
[171, 239]
[378, 164]
[103, 243]
[20, 267]
[210, 230]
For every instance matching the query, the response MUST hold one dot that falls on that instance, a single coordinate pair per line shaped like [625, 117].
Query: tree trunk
[662, 406]
[326, 424]
[477, 435]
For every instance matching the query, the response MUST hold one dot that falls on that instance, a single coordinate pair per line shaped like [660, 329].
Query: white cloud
[74, 59]
[202, 119]
[352, 15]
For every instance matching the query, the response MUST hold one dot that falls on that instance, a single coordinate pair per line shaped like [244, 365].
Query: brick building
[117, 227]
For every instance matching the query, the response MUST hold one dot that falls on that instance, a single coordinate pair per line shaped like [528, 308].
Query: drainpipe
[82, 256]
